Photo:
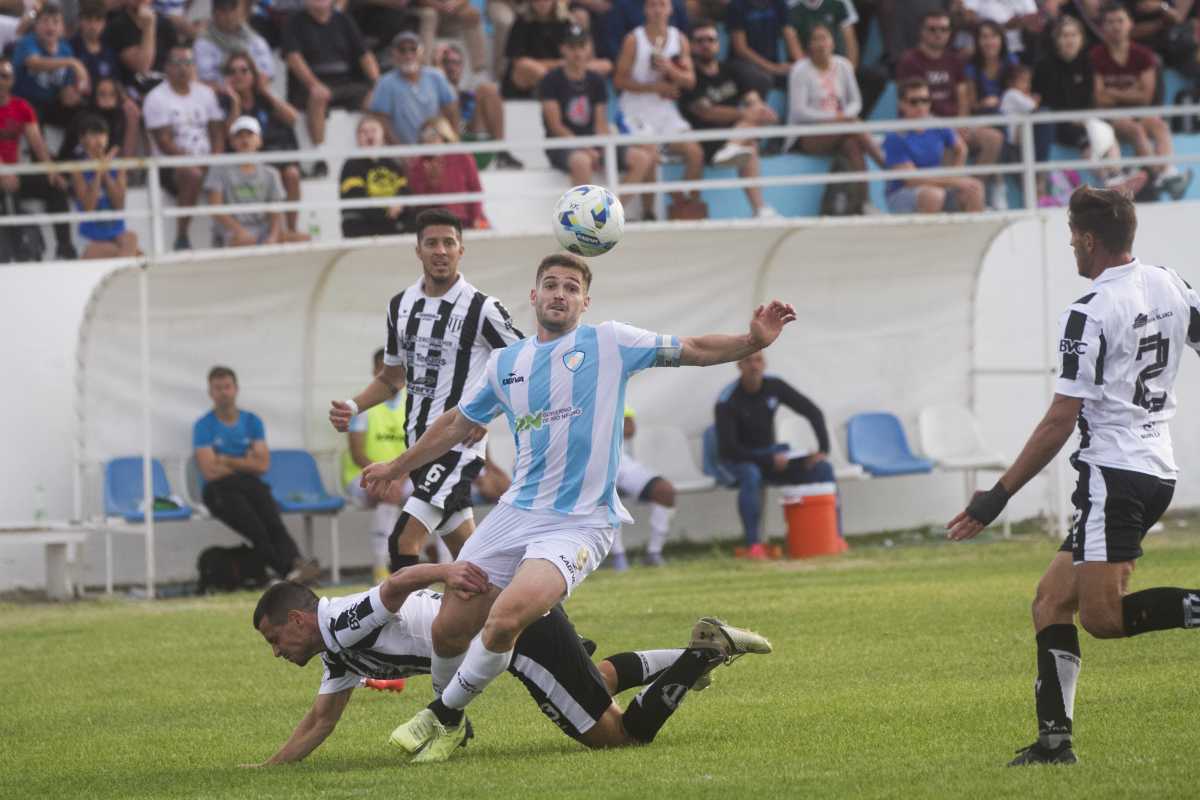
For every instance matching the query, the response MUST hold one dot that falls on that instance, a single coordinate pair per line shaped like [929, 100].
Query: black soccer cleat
[1037, 753]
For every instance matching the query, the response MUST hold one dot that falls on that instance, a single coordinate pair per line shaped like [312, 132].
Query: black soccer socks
[652, 707]
[1160, 609]
[642, 667]
[1058, 670]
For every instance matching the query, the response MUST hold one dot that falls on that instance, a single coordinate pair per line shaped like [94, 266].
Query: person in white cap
[227, 184]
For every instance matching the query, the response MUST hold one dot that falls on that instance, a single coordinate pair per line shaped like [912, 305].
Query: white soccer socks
[480, 667]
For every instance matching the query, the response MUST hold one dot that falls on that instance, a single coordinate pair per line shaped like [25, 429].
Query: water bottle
[39, 503]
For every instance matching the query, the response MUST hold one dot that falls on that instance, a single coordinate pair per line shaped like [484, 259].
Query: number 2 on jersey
[1142, 394]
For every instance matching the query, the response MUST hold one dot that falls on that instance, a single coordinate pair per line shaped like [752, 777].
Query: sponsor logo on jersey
[1072, 347]
[574, 360]
[512, 378]
[1142, 320]
[537, 420]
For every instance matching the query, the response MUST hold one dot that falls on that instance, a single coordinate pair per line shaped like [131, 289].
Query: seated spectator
[940, 68]
[370, 177]
[88, 43]
[449, 173]
[624, 17]
[229, 184]
[381, 20]
[48, 74]
[329, 65]
[251, 96]
[227, 35]
[102, 190]
[575, 103]
[640, 482]
[480, 109]
[923, 149]
[903, 21]
[1064, 82]
[756, 28]
[823, 89]
[1017, 19]
[19, 121]
[104, 69]
[231, 452]
[108, 103]
[653, 71]
[176, 12]
[533, 47]
[183, 118]
[720, 99]
[503, 15]
[986, 72]
[142, 40]
[841, 18]
[454, 19]
[745, 422]
[377, 434]
[1087, 12]
[1169, 29]
[1124, 77]
[411, 93]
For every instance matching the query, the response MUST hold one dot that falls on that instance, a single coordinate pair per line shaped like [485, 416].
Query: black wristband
[986, 506]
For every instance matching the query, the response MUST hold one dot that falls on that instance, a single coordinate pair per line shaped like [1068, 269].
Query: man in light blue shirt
[409, 95]
[563, 392]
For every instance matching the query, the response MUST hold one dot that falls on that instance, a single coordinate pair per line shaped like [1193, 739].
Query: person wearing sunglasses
[925, 149]
[226, 35]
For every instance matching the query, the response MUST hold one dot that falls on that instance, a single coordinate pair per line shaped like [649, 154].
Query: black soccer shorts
[1113, 510]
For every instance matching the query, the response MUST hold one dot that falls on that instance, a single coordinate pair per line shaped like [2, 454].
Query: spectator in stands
[447, 173]
[329, 65]
[183, 118]
[721, 100]
[229, 184]
[176, 12]
[653, 72]
[88, 42]
[142, 40]
[377, 434]
[841, 18]
[823, 89]
[756, 28]
[1087, 12]
[480, 108]
[1166, 27]
[16, 20]
[102, 190]
[251, 96]
[104, 69]
[411, 93]
[503, 15]
[1063, 80]
[1017, 19]
[230, 447]
[227, 35]
[371, 177]
[19, 121]
[533, 47]
[48, 74]
[381, 20]
[458, 19]
[575, 103]
[1124, 77]
[745, 422]
[923, 149]
[627, 15]
[940, 68]
[988, 69]
[902, 23]
[110, 104]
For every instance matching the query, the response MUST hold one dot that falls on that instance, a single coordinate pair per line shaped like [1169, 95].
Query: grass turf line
[901, 672]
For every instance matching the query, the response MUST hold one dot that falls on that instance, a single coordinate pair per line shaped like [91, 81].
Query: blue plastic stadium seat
[123, 491]
[790, 201]
[886, 106]
[876, 441]
[296, 484]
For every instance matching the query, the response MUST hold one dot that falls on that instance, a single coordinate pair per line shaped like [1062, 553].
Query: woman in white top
[822, 89]
[653, 70]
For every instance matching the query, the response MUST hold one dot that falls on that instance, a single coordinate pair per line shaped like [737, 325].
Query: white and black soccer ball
[589, 220]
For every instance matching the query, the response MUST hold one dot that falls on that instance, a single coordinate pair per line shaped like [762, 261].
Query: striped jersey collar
[1116, 273]
[451, 294]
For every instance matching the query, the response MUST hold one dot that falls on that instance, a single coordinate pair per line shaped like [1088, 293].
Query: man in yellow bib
[377, 434]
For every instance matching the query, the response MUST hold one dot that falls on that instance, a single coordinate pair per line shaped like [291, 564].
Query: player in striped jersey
[440, 332]
[564, 396]
[385, 633]
[1121, 348]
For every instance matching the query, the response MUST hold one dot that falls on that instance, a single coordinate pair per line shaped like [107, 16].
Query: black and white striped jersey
[365, 640]
[1121, 348]
[444, 343]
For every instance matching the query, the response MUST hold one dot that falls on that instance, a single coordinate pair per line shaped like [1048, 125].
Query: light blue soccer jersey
[565, 402]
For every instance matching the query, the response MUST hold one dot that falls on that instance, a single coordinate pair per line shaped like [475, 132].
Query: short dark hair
[224, 4]
[438, 216]
[1107, 214]
[1111, 8]
[702, 22]
[936, 13]
[221, 372]
[49, 10]
[909, 84]
[93, 9]
[568, 260]
[281, 598]
[1016, 71]
[92, 123]
[813, 29]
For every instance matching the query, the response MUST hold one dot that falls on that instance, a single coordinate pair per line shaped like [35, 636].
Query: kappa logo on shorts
[574, 360]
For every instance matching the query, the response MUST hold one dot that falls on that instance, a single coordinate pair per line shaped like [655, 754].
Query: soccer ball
[588, 220]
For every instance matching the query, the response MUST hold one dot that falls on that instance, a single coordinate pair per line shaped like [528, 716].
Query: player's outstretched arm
[447, 430]
[461, 577]
[1044, 443]
[385, 385]
[765, 327]
[316, 726]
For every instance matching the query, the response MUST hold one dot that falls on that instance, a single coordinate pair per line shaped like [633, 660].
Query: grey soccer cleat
[729, 642]
[1037, 753]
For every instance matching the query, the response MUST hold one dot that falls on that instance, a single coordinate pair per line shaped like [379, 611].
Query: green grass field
[902, 672]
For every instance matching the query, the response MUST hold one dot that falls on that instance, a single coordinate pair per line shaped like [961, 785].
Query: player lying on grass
[385, 633]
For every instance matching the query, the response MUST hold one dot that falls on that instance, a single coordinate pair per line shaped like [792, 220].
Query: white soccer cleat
[730, 642]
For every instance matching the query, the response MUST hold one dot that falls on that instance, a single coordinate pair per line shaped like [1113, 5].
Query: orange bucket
[810, 511]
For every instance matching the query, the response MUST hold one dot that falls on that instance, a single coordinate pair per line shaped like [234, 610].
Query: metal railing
[1028, 168]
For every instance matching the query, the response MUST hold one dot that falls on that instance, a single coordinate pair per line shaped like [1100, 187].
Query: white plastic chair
[667, 452]
[951, 436]
[794, 430]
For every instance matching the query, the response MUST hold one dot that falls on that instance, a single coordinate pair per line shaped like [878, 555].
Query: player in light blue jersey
[563, 392]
